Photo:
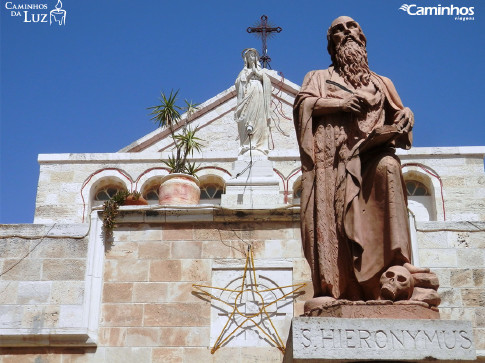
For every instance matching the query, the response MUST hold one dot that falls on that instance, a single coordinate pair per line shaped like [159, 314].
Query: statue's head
[250, 56]
[346, 46]
[343, 29]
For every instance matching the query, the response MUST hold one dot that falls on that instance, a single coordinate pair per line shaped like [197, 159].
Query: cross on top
[264, 30]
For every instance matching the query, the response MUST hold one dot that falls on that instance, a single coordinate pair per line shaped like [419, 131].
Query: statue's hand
[415, 269]
[354, 103]
[404, 120]
[258, 73]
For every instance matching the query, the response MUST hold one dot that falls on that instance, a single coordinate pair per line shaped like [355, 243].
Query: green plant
[111, 209]
[167, 115]
[136, 195]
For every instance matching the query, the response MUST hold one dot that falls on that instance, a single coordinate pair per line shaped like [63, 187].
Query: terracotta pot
[179, 189]
[130, 200]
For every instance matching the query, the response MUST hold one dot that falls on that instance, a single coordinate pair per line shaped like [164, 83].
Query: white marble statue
[252, 113]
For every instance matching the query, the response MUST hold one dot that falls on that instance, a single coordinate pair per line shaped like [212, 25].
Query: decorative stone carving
[427, 280]
[396, 284]
[357, 340]
[252, 113]
[428, 296]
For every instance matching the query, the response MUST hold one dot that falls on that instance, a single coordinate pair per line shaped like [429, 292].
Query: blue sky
[84, 87]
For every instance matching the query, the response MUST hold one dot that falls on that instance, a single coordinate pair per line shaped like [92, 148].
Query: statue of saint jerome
[354, 219]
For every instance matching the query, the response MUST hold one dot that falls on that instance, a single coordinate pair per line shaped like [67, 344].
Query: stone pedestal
[376, 309]
[350, 340]
[254, 184]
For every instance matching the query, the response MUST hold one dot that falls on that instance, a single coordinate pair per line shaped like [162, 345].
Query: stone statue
[252, 113]
[354, 219]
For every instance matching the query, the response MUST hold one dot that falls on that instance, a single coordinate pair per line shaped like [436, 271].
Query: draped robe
[253, 109]
[354, 220]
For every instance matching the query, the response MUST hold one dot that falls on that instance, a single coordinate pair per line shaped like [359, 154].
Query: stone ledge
[32, 231]
[458, 226]
[424, 152]
[204, 213]
[374, 310]
[59, 338]
[129, 157]
[428, 152]
[230, 264]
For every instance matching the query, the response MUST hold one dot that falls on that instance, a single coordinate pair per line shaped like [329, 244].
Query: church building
[221, 280]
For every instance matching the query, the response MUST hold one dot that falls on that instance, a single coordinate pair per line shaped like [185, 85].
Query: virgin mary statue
[252, 114]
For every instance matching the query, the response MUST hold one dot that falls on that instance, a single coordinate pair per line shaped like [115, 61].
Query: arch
[149, 189]
[421, 195]
[148, 175]
[211, 188]
[101, 178]
[213, 170]
[109, 185]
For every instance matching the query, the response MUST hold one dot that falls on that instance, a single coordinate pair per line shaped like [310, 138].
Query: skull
[396, 284]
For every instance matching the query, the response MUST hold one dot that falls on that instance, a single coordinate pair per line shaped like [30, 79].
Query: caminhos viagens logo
[461, 13]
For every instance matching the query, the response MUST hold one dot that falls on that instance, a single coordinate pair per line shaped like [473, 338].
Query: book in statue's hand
[379, 137]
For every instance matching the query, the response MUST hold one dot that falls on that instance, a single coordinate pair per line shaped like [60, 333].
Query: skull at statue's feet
[396, 284]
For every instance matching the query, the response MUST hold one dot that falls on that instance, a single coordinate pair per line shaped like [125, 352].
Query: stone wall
[147, 307]
[148, 310]
[42, 279]
[67, 182]
[456, 252]
[148, 297]
[460, 170]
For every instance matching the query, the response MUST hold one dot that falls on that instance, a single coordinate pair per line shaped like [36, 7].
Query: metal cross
[263, 29]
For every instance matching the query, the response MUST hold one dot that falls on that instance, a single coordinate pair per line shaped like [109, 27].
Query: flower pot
[179, 189]
[130, 200]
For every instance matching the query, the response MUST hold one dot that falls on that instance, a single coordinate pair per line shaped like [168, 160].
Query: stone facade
[454, 176]
[68, 294]
[146, 305]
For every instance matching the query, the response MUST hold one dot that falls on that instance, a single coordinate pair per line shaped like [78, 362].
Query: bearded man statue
[354, 218]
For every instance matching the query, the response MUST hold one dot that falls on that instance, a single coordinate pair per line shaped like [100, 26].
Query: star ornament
[249, 306]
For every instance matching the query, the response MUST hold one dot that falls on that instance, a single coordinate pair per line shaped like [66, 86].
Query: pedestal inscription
[314, 339]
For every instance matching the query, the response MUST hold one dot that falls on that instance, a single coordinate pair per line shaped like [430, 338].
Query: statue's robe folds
[354, 220]
[253, 109]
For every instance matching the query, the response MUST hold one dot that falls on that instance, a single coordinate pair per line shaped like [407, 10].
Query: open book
[379, 137]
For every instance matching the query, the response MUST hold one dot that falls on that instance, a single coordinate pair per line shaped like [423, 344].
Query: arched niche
[211, 188]
[421, 195]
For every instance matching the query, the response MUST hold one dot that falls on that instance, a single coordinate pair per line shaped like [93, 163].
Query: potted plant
[112, 205]
[135, 198]
[181, 186]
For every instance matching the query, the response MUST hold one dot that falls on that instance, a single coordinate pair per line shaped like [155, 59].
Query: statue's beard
[351, 63]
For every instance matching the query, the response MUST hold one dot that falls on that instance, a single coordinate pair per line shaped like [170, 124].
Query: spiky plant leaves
[167, 115]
